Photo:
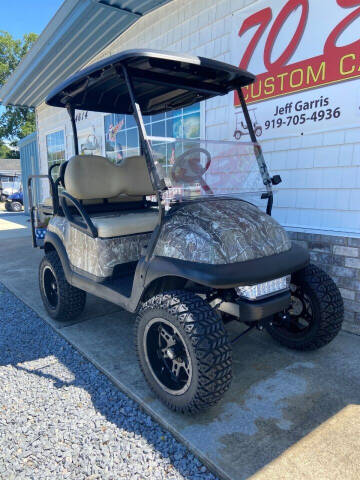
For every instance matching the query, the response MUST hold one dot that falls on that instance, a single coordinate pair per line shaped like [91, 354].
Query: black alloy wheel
[299, 318]
[50, 287]
[168, 356]
[315, 315]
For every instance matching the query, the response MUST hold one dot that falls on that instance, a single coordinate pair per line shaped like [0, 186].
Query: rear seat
[90, 178]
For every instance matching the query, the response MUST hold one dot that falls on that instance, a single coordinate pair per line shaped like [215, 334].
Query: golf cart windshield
[207, 168]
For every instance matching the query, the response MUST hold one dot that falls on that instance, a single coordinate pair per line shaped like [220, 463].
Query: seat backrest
[94, 177]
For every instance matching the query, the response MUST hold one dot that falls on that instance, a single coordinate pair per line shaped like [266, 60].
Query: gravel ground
[60, 418]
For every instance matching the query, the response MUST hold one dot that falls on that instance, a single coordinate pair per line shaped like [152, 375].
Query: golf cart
[9, 184]
[15, 202]
[171, 234]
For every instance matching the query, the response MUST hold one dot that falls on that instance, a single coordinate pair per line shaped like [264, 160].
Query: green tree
[15, 122]
[7, 152]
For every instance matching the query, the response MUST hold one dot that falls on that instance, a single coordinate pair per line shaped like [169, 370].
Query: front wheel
[62, 301]
[237, 134]
[15, 207]
[183, 350]
[315, 315]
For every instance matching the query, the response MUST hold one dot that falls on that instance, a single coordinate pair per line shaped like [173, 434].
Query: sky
[25, 16]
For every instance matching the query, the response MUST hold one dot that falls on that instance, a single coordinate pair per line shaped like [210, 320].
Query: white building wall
[321, 174]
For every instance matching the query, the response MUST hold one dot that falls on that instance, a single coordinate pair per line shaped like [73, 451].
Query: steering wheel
[191, 170]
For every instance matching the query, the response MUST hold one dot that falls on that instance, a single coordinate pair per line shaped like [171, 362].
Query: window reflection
[121, 133]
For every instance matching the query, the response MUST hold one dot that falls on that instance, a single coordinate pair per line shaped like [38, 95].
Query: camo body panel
[97, 256]
[220, 231]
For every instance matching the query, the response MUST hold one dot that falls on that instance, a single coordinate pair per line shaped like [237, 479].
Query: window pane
[178, 128]
[173, 113]
[55, 146]
[132, 138]
[191, 126]
[192, 108]
[115, 138]
[155, 118]
[158, 129]
[170, 127]
[130, 121]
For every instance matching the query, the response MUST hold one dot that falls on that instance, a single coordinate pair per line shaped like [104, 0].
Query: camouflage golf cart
[180, 232]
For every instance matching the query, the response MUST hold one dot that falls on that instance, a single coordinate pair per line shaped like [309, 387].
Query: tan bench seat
[125, 223]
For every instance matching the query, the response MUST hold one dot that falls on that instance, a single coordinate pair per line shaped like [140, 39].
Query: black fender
[230, 275]
[56, 243]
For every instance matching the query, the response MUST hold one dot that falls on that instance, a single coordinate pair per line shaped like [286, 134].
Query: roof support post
[71, 112]
[158, 184]
[258, 153]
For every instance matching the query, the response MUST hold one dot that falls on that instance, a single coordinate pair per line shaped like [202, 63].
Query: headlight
[254, 292]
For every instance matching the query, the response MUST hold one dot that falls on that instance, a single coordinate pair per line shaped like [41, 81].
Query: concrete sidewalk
[287, 415]
[13, 225]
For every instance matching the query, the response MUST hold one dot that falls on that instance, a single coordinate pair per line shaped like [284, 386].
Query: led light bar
[254, 292]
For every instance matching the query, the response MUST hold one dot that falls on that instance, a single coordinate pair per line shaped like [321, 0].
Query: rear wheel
[315, 315]
[183, 350]
[62, 301]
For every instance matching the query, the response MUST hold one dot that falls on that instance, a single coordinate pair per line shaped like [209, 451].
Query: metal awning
[79, 30]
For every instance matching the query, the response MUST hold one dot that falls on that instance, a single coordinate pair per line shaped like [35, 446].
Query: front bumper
[255, 310]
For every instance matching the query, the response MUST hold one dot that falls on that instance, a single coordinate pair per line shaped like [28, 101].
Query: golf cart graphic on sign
[241, 127]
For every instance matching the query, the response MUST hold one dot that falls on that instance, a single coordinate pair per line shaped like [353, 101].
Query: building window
[55, 146]
[122, 138]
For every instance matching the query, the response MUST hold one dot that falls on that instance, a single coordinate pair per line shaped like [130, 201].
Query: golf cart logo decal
[241, 127]
[319, 52]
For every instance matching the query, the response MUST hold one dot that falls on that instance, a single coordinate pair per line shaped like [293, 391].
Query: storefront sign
[303, 52]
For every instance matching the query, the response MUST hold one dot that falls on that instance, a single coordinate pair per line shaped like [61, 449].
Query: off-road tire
[8, 206]
[328, 310]
[71, 300]
[208, 345]
[15, 207]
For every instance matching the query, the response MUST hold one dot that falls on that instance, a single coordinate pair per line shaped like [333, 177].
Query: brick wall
[340, 258]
